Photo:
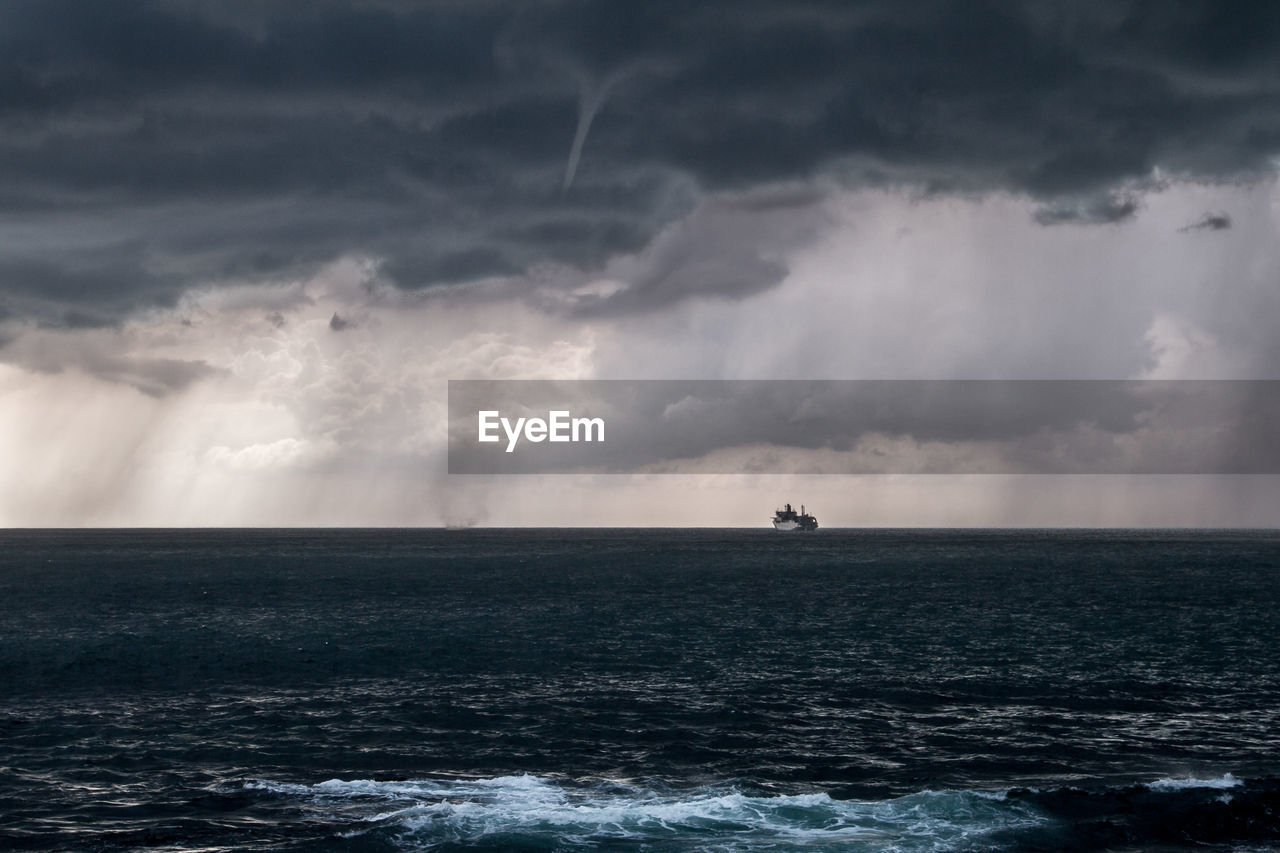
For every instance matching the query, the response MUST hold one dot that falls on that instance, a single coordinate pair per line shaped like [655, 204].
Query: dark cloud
[731, 247]
[1209, 222]
[146, 147]
[1108, 209]
[101, 358]
[154, 377]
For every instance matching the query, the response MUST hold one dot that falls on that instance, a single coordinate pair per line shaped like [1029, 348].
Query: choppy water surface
[639, 690]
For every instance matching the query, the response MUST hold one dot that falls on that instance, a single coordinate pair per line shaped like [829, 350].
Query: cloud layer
[149, 147]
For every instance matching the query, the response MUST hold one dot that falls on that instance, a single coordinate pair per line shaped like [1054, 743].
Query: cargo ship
[788, 519]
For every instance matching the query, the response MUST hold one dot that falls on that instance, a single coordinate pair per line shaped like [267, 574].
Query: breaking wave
[1183, 783]
[530, 812]
[524, 812]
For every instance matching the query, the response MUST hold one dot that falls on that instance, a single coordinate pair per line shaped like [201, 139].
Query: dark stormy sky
[243, 244]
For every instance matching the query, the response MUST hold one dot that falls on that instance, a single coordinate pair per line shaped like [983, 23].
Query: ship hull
[792, 524]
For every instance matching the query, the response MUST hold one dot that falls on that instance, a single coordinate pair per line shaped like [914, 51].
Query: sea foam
[1182, 783]
[540, 811]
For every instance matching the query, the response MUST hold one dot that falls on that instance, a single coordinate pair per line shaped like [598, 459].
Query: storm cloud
[1210, 222]
[147, 148]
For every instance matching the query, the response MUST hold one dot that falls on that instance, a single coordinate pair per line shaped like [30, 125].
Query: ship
[788, 519]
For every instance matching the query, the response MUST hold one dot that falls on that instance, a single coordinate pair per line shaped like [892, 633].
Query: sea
[639, 690]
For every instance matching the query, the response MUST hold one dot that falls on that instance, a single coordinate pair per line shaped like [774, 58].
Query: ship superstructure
[788, 519]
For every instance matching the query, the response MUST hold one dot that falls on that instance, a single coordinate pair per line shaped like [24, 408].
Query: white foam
[426, 812]
[413, 789]
[1184, 782]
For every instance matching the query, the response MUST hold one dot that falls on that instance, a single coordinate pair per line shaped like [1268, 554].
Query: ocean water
[639, 690]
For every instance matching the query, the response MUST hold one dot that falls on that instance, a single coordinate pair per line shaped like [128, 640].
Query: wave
[528, 811]
[531, 812]
[1183, 783]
